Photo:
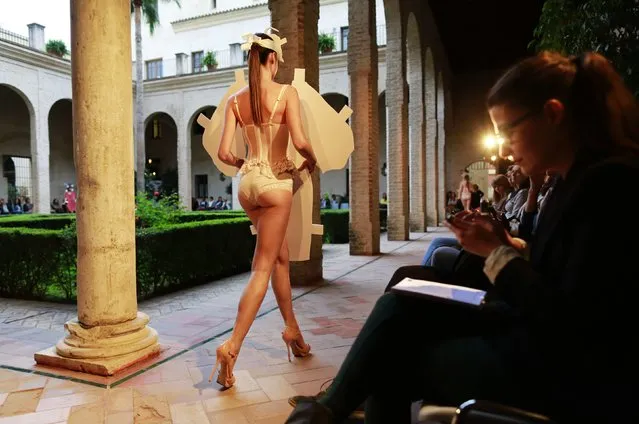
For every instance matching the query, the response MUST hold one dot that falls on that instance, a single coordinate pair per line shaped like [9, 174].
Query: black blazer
[578, 292]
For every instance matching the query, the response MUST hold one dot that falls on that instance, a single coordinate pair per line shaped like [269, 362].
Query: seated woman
[555, 333]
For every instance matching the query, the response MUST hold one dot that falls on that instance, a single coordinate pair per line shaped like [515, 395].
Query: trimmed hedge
[40, 263]
[36, 263]
[48, 222]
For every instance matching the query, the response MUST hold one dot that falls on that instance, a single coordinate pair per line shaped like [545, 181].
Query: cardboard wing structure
[330, 136]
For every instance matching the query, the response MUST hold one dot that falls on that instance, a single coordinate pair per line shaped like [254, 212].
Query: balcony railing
[183, 64]
[12, 37]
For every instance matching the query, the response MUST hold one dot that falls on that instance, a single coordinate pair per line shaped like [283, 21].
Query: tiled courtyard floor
[174, 387]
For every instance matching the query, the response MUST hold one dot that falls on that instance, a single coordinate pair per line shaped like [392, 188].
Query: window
[214, 4]
[344, 33]
[245, 57]
[154, 69]
[157, 129]
[196, 61]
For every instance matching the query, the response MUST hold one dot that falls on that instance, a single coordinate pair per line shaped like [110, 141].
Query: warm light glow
[490, 141]
[150, 160]
[500, 140]
[510, 158]
[493, 158]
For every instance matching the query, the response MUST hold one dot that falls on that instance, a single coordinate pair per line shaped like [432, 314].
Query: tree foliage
[610, 27]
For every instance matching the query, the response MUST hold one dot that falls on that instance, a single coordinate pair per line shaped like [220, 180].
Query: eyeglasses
[506, 130]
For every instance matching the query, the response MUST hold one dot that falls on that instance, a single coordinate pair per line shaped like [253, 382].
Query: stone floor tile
[188, 413]
[71, 400]
[324, 373]
[45, 417]
[268, 411]
[3, 396]
[276, 387]
[151, 410]
[20, 402]
[89, 413]
[234, 416]
[222, 403]
[119, 418]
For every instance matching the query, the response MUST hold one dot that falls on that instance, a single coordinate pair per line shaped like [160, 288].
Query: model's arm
[228, 132]
[294, 121]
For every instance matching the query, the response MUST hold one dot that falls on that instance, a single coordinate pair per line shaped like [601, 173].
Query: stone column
[185, 178]
[297, 21]
[431, 141]
[397, 144]
[40, 150]
[109, 334]
[441, 148]
[417, 216]
[364, 164]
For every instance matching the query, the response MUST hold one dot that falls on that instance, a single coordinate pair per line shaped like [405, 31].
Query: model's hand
[310, 165]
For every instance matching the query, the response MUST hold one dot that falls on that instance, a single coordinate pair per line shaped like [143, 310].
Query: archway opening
[482, 173]
[383, 160]
[61, 164]
[15, 148]
[160, 137]
[209, 183]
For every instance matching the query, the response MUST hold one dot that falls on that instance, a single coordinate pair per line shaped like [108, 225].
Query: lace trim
[269, 169]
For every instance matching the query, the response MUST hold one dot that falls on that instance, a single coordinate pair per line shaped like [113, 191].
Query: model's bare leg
[270, 220]
[281, 283]
[271, 229]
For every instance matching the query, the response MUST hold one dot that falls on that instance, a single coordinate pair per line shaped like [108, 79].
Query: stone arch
[160, 138]
[441, 144]
[61, 159]
[430, 104]
[416, 148]
[336, 181]
[17, 134]
[482, 172]
[207, 180]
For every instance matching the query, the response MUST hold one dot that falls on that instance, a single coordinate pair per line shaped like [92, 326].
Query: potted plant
[56, 48]
[326, 43]
[210, 61]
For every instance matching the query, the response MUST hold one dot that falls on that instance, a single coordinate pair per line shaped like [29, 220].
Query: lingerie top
[267, 144]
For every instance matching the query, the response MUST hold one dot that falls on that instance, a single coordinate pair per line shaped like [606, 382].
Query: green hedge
[48, 222]
[39, 264]
[335, 222]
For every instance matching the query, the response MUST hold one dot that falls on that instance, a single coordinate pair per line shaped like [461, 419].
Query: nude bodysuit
[266, 166]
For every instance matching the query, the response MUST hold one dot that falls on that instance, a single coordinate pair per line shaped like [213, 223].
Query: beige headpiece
[275, 44]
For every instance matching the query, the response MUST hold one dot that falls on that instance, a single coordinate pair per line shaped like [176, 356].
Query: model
[267, 114]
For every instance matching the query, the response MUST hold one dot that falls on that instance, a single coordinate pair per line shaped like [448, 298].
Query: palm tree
[148, 8]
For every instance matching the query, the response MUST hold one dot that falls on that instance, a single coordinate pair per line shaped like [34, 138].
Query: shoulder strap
[279, 97]
[237, 109]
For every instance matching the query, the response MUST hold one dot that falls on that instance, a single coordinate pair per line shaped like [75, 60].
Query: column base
[102, 350]
[105, 367]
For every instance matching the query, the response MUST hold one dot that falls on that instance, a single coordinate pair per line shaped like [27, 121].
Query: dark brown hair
[258, 55]
[601, 111]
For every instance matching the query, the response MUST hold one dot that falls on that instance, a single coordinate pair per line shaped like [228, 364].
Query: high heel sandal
[226, 360]
[293, 339]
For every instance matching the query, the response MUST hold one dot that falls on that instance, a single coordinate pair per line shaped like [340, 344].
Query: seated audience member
[554, 335]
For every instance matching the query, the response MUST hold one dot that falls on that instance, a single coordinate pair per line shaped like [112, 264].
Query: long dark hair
[601, 111]
[258, 56]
